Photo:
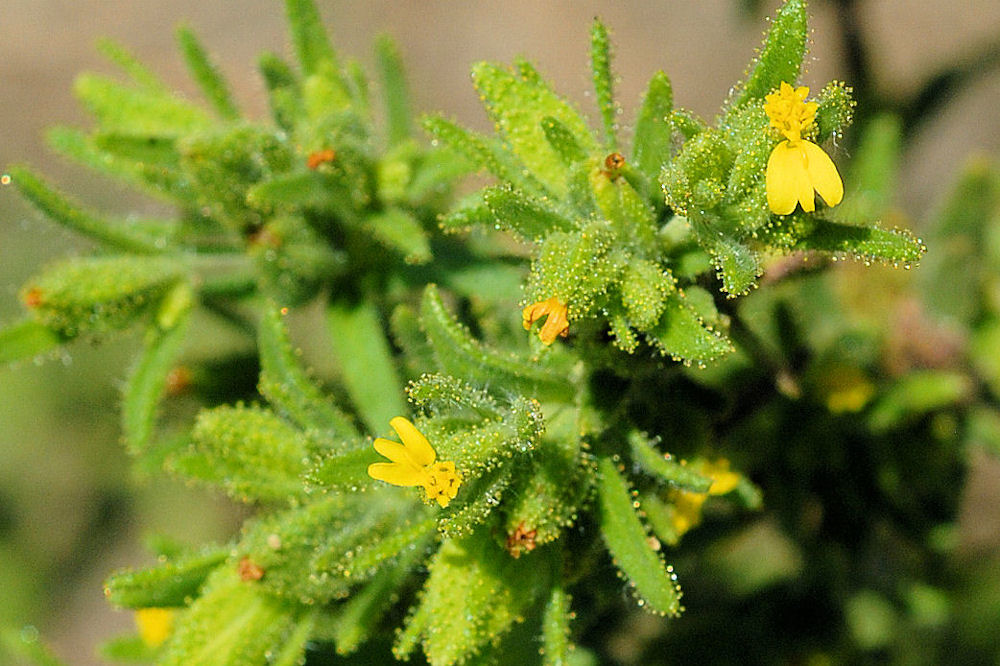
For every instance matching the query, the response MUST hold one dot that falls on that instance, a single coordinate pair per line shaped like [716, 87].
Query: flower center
[789, 111]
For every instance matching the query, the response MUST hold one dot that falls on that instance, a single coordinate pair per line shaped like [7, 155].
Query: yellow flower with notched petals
[797, 168]
[556, 322]
[413, 464]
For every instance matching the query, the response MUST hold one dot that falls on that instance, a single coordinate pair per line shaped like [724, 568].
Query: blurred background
[70, 508]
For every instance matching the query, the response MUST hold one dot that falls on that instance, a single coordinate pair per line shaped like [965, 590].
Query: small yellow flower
[556, 323]
[413, 464]
[687, 505]
[797, 168]
[154, 625]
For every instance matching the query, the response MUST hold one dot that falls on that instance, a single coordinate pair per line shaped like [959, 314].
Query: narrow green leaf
[283, 93]
[304, 190]
[737, 264]
[474, 594]
[359, 616]
[896, 246]
[397, 98]
[874, 169]
[147, 382]
[556, 646]
[73, 215]
[518, 106]
[600, 65]
[27, 339]
[399, 230]
[127, 648]
[780, 57]
[24, 646]
[366, 363]
[682, 334]
[313, 48]
[665, 466]
[530, 218]
[173, 583]
[141, 112]
[336, 541]
[459, 354]
[653, 140]
[483, 153]
[287, 386]
[562, 141]
[162, 182]
[916, 394]
[249, 451]
[207, 74]
[233, 622]
[626, 538]
[100, 294]
[139, 73]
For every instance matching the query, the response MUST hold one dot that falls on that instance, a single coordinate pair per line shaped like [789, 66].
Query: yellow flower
[687, 505]
[797, 168]
[556, 323]
[154, 625]
[413, 464]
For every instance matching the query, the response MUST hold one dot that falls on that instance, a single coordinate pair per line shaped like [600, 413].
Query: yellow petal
[395, 452]
[823, 174]
[397, 474]
[416, 444]
[781, 180]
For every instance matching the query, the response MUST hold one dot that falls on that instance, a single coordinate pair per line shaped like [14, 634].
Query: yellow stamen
[556, 322]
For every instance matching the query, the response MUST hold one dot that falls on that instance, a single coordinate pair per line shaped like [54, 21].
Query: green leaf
[366, 363]
[283, 91]
[23, 645]
[287, 386]
[163, 182]
[562, 141]
[209, 79]
[234, 622]
[397, 99]
[307, 190]
[737, 264]
[147, 382]
[139, 73]
[916, 394]
[556, 646]
[518, 106]
[528, 217]
[359, 616]
[476, 501]
[626, 538]
[653, 140]
[141, 112]
[399, 230]
[474, 594]
[682, 334]
[896, 246]
[665, 466]
[74, 216]
[600, 66]
[171, 584]
[313, 48]
[484, 153]
[780, 57]
[27, 339]
[459, 354]
[249, 451]
[100, 294]
[333, 543]
[129, 648]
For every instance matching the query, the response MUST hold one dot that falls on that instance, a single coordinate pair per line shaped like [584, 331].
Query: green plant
[568, 466]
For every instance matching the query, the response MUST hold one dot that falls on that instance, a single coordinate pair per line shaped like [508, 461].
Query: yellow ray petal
[395, 452]
[397, 474]
[780, 179]
[416, 444]
[823, 174]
